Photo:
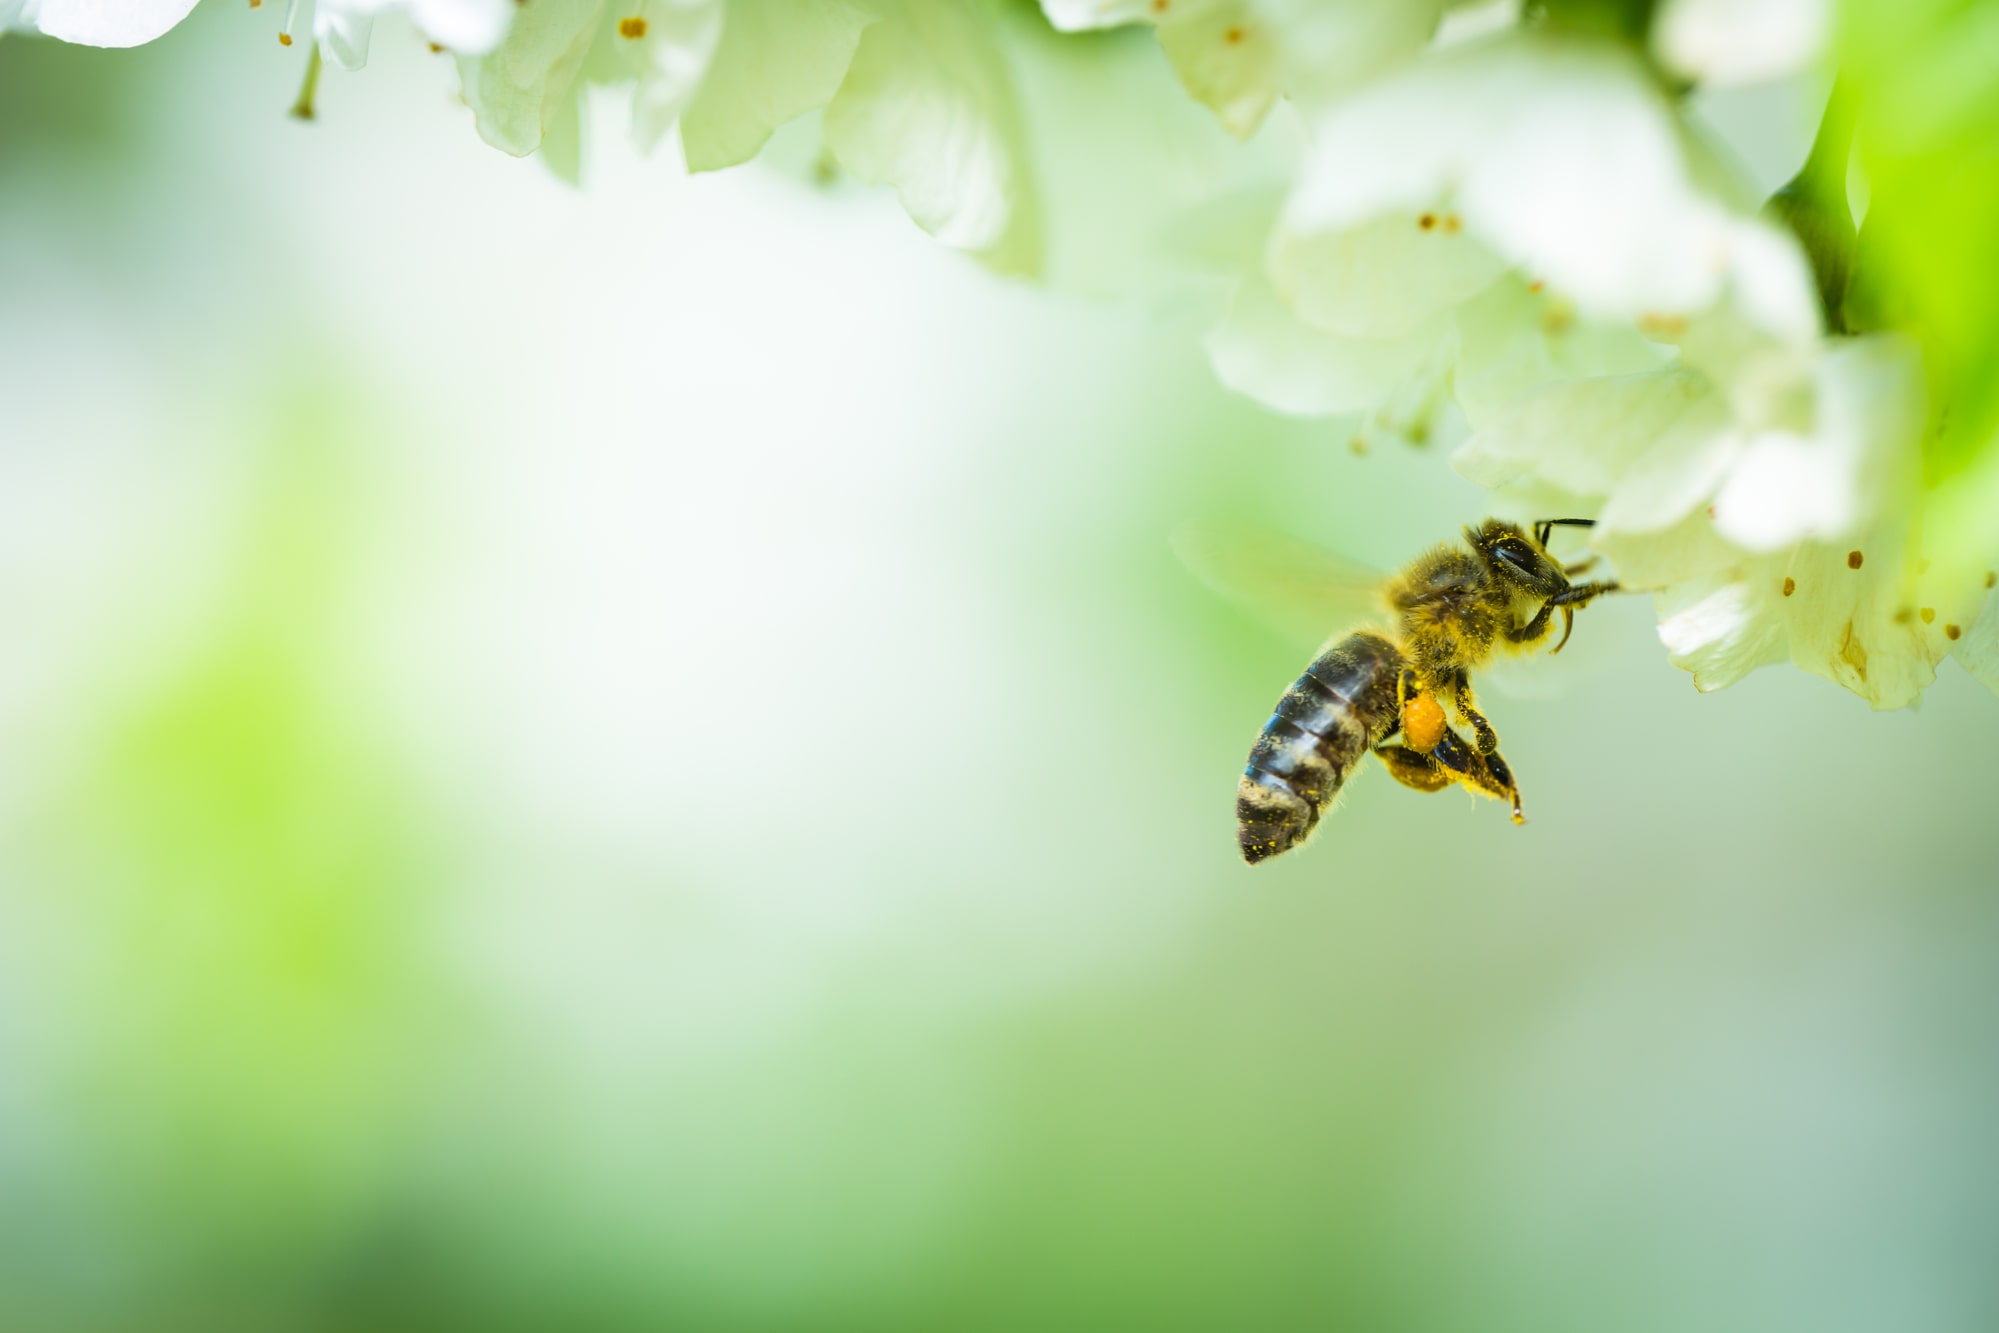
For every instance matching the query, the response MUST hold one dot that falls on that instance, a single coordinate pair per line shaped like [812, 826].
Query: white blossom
[94, 22]
[1238, 57]
[1722, 42]
[470, 27]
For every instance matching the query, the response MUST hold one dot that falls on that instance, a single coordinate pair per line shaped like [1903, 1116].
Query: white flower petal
[1559, 154]
[1856, 627]
[1227, 60]
[927, 107]
[516, 90]
[1514, 340]
[473, 27]
[466, 27]
[1789, 486]
[1585, 436]
[1719, 630]
[667, 63]
[1263, 350]
[1977, 647]
[343, 33]
[778, 59]
[1084, 15]
[1382, 277]
[111, 23]
[1722, 42]
[1783, 488]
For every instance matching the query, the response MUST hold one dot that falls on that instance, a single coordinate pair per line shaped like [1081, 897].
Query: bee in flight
[1455, 609]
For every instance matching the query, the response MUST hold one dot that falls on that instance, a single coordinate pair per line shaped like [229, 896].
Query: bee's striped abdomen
[1325, 724]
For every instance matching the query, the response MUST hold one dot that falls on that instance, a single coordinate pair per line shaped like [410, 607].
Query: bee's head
[1516, 559]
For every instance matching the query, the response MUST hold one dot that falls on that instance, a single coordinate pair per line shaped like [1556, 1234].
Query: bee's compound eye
[1515, 554]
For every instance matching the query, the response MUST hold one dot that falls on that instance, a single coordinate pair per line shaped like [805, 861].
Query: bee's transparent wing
[1298, 589]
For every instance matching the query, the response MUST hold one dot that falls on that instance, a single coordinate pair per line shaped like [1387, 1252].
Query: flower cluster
[1494, 221]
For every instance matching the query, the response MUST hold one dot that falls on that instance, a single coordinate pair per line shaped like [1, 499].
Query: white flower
[1535, 190]
[928, 107]
[1778, 520]
[777, 60]
[1238, 57]
[468, 27]
[659, 47]
[94, 22]
[515, 90]
[1721, 42]
[1550, 154]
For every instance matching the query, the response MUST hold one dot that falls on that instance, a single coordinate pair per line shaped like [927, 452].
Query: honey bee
[1455, 608]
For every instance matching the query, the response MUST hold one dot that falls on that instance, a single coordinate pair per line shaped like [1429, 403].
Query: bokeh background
[637, 757]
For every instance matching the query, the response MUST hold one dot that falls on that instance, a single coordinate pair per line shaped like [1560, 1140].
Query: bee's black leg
[1487, 738]
[1582, 594]
[1486, 773]
[1534, 630]
[1413, 768]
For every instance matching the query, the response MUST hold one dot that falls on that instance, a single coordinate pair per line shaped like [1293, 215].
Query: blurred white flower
[917, 95]
[777, 60]
[1723, 42]
[1238, 57]
[661, 48]
[94, 22]
[516, 90]
[469, 27]
[928, 107]
[1537, 188]
[1548, 153]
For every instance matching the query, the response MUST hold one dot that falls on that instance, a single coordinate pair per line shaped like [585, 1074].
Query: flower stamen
[302, 109]
[633, 25]
[1854, 559]
[285, 32]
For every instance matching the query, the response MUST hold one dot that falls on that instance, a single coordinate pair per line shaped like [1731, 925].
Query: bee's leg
[1582, 594]
[1534, 630]
[1413, 768]
[1486, 773]
[1461, 698]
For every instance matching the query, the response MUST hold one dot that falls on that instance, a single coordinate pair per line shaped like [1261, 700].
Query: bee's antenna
[1546, 526]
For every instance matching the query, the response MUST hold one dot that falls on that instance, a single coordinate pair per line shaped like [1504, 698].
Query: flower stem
[303, 108]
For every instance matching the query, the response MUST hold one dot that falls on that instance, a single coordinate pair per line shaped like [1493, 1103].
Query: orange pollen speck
[1991, 578]
[436, 49]
[1452, 224]
[1951, 631]
[1159, 6]
[284, 39]
[633, 28]
[256, 4]
[1928, 614]
[1233, 36]
[1536, 286]
[1854, 559]
[1427, 221]
[1790, 586]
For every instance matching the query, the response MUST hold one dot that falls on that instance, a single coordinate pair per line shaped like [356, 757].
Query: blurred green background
[638, 758]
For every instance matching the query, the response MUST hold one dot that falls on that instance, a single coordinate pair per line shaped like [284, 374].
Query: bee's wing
[1298, 589]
